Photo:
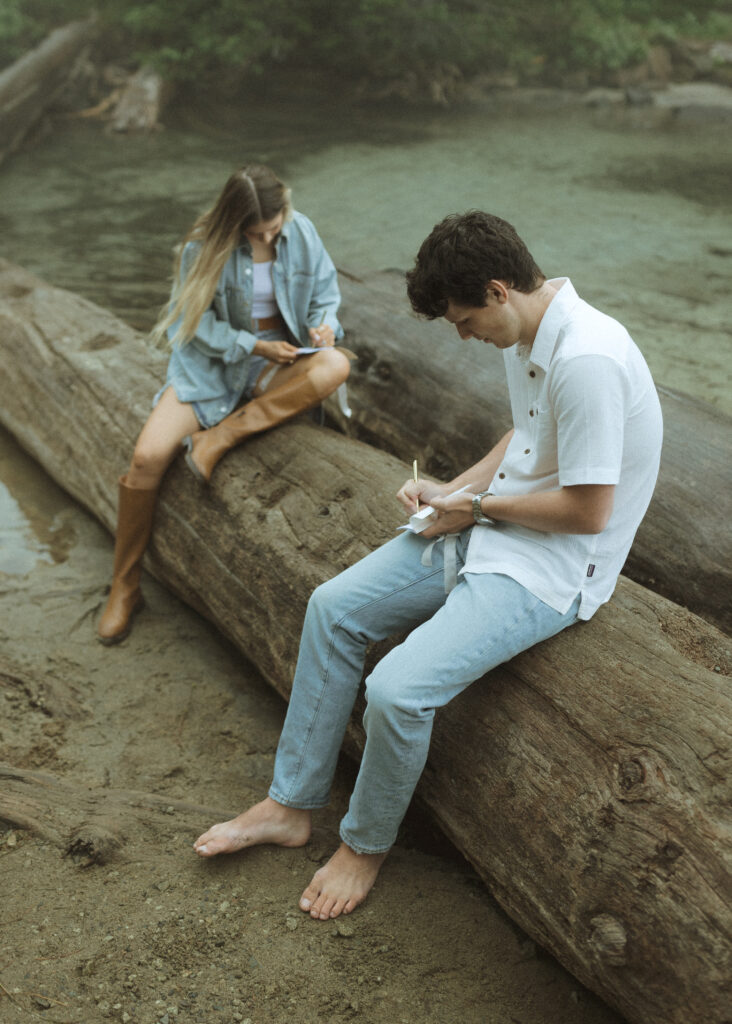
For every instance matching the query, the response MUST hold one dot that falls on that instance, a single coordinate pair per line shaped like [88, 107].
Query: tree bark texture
[418, 391]
[32, 84]
[587, 780]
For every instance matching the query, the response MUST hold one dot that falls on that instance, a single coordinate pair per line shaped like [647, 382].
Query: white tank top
[263, 300]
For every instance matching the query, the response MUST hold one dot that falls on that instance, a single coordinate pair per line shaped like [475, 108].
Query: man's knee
[326, 600]
[385, 696]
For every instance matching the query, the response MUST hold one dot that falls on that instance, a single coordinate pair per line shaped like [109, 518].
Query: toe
[322, 908]
[309, 896]
[202, 839]
[337, 908]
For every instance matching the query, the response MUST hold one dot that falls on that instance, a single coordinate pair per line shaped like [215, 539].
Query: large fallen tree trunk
[419, 392]
[587, 780]
[32, 84]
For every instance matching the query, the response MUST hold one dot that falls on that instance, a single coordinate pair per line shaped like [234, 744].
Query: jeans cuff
[357, 848]
[298, 805]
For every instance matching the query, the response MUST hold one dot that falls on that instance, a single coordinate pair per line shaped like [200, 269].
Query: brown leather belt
[269, 323]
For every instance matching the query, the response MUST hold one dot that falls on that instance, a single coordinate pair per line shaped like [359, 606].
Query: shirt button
[501, 476]
[248, 271]
[531, 373]
[527, 451]
[531, 412]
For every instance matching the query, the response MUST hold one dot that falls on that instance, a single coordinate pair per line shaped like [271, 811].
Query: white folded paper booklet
[427, 515]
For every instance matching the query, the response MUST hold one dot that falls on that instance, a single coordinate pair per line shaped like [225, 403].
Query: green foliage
[184, 39]
[24, 23]
[381, 39]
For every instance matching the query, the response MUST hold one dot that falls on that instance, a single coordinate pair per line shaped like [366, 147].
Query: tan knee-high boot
[134, 524]
[205, 447]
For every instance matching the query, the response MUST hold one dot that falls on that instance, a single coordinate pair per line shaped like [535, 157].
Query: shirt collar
[564, 301]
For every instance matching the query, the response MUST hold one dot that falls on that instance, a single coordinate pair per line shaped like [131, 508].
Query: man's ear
[496, 291]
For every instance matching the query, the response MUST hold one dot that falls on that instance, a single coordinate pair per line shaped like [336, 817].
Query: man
[539, 533]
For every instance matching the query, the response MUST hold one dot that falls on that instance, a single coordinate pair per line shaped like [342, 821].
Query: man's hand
[321, 337]
[276, 351]
[455, 513]
[422, 491]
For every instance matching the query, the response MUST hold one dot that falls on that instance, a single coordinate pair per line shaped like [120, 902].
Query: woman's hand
[321, 336]
[276, 351]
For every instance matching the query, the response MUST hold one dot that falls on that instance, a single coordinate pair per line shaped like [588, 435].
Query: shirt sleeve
[326, 296]
[589, 398]
[214, 336]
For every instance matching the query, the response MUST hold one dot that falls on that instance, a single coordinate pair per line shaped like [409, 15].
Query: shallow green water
[639, 215]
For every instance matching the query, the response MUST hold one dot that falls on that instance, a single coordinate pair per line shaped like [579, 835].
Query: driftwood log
[32, 84]
[92, 825]
[587, 780]
[140, 102]
[417, 391]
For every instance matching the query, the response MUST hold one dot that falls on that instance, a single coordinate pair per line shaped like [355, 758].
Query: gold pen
[415, 474]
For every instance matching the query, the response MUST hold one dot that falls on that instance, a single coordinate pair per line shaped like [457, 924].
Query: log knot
[384, 371]
[608, 940]
[92, 843]
[630, 773]
[670, 851]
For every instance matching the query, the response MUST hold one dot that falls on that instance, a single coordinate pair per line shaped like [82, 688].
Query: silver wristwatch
[478, 516]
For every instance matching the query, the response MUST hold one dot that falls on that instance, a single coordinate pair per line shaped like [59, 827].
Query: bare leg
[266, 822]
[160, 441]
[343, 883]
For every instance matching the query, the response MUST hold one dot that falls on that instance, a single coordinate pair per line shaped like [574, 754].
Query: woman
[254, 284]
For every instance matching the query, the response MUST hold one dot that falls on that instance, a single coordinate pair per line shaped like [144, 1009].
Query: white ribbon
[449, 558]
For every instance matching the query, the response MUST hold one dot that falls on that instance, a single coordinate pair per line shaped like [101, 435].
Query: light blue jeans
[485, 620]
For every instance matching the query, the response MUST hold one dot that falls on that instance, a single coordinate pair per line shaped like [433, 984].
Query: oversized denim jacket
[212, 368]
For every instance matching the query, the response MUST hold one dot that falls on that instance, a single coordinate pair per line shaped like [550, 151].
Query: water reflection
[35, 514]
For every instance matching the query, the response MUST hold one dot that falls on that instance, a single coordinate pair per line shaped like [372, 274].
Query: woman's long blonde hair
[252, 194]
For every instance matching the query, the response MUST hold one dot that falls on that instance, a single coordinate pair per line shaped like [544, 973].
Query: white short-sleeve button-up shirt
[585, 411]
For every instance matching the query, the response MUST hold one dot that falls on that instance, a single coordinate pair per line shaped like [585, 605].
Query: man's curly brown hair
[461, 255]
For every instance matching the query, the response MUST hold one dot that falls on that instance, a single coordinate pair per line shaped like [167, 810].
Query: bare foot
[343, 883]
[266, 822]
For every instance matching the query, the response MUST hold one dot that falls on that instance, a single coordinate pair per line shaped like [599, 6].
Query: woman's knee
[150, 460]
[328, 370]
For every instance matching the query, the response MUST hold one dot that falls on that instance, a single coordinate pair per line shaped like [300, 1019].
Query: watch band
[478, 516]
